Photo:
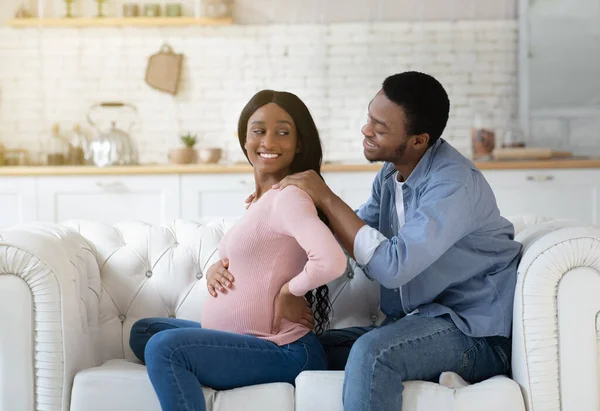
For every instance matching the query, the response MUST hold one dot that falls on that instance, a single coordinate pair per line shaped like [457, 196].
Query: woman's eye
[283, 132]
[258, 131]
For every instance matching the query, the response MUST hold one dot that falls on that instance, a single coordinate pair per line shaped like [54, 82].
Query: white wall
[55, 75]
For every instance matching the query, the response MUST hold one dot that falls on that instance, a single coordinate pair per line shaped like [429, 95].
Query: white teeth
[268, 155]
[369, 143]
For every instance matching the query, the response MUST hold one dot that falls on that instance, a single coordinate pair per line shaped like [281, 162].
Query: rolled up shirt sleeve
[365, 243]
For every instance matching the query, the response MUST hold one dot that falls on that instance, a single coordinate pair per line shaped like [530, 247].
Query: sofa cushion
[121, 385]
[321, 391]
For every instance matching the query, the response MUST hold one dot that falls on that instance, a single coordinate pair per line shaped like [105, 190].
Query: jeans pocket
[483, 361]
[503, 348]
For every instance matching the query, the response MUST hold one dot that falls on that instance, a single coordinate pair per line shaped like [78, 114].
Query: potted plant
[186, 154]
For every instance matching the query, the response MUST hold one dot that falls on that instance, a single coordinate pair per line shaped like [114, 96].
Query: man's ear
[421, 141]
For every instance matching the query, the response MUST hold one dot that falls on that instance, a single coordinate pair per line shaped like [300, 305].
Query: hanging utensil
[164, 70]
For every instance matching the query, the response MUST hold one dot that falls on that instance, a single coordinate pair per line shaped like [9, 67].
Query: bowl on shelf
[209, 155]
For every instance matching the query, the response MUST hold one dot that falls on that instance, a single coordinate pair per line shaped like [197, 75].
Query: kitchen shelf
[118, 22]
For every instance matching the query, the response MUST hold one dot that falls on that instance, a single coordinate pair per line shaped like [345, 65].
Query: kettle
[112, 147]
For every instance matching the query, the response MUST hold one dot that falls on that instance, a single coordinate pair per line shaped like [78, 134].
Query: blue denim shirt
[454, 255]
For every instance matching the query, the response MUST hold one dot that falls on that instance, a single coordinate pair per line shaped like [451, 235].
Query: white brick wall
[55, 75]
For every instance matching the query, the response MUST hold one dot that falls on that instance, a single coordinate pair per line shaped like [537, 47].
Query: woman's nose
[268, 140]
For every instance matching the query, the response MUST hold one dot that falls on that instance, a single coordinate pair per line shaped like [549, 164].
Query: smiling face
[385, 134]
[271, 140]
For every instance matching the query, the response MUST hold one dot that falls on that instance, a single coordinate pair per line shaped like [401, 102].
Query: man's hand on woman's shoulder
[310, 182]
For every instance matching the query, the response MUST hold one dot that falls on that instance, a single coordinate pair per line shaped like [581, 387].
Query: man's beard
[398, 154]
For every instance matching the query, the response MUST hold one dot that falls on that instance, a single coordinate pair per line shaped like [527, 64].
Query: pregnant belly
[239, 312]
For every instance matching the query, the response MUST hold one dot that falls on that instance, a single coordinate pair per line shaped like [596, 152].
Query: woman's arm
[296, 215]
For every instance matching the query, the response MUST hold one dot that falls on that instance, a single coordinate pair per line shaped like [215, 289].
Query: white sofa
[70, 293]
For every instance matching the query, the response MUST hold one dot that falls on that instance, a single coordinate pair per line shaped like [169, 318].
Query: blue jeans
[181, 357]
[377, 359]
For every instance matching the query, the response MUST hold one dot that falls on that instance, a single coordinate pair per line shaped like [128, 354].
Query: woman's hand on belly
[219, 278]
[292, 308]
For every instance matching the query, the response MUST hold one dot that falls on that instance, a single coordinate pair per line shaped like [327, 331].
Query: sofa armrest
[49, 286]
[555, 321]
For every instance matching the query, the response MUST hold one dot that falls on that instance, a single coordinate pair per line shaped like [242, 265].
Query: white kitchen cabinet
[109, 199]
[570, 194]
[17, 201]
[555, 193]
[209, 196]
[352, 187]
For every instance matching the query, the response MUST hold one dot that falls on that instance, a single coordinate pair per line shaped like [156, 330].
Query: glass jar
[483, 136]
[57, 148]
[78, 146]
[513, 138]
[218, 9]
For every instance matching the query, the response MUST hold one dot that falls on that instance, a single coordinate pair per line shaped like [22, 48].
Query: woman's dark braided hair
[309, 158]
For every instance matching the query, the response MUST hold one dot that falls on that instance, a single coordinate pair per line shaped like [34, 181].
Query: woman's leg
[145, 328]
[180, 361]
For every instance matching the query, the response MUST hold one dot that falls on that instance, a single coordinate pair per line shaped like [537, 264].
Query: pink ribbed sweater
[279, 239]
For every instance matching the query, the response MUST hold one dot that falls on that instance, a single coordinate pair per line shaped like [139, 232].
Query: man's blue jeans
[181, 356]
[377, 359]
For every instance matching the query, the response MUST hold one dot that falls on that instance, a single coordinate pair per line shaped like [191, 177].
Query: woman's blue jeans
[181, 357]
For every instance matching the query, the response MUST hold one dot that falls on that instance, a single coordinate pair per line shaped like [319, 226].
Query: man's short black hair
[424, 101]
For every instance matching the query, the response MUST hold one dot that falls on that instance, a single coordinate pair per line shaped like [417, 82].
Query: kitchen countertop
[245, 168]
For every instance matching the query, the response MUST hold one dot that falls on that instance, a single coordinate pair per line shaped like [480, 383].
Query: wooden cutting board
[529, 153]
[164, 70]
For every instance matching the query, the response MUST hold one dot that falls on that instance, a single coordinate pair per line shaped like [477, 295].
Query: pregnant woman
[258, 326]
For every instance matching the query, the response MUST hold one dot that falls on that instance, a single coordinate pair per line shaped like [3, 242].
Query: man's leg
[415, 348]
[337, 345]
[143, 329]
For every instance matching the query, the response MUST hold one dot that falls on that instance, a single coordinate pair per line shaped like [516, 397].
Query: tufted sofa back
[159, 271]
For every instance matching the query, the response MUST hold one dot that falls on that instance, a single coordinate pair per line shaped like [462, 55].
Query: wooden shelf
[245, 168]
[118, 22]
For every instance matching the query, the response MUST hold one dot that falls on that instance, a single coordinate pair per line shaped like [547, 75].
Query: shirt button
[395, 290]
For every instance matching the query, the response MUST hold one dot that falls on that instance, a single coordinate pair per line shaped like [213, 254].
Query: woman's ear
[298, 147]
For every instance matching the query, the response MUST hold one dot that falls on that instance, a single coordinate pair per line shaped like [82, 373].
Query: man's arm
[444, 216]
[344, 221]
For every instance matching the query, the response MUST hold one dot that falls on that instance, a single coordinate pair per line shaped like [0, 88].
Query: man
[432, 236]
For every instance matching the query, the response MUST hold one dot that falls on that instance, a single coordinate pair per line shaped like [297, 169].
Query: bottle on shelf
[57, 148]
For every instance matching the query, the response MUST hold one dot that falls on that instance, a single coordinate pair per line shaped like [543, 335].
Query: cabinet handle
[112, 184]
[540, 178]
